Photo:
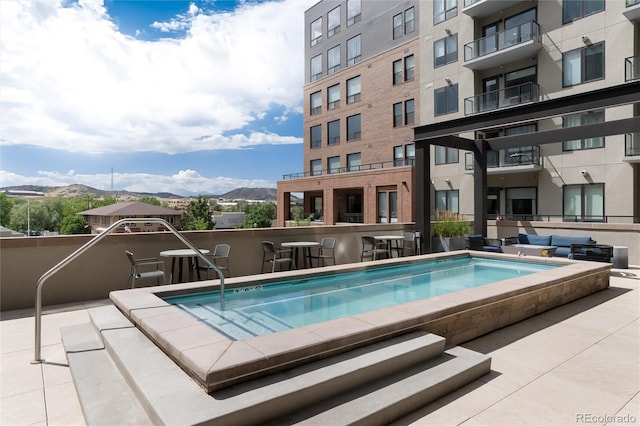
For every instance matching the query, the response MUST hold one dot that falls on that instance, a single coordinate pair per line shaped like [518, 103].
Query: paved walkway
[577, 364]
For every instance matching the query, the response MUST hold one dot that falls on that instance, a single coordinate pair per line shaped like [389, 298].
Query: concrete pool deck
[575, 364]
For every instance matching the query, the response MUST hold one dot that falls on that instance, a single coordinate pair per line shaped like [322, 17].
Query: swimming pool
[259, 310]
[214, 360]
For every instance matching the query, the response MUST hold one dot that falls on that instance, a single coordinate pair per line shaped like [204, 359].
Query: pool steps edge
[135, 366]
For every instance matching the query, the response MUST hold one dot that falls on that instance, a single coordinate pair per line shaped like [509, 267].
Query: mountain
[262, 194]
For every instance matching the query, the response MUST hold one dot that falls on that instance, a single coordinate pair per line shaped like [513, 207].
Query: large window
[316, 31]
[575, 120]
[354, 50]
[521, 203]
[316, 136]
[583, 65]
[316, 103]
[333, 97]
[316, 167]
[354, 161]
[354, 11]
[333, 60]
[403, 70]
[333, 165]
[404, 155]
[315, 202]
[576, 9]
[409, 112]
[446, 155]
[397, 114]
[583, 203]
[333, 132]
[387, 206]
[446, 99]
[448, 200]
[353, 128]
[353, 89]
[333, 22]
[445, 50]
[404, 113]
[404, 23]
[316, 67]
[444, 9]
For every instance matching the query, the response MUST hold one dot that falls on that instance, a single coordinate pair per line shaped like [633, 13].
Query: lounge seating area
[563, 243]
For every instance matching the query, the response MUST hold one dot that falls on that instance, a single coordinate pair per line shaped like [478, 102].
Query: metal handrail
[92, 242]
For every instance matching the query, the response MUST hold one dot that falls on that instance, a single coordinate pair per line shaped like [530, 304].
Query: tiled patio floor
[577, 364]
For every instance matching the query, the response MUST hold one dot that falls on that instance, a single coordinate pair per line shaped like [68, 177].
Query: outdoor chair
[408, 244]
[592, 252]
[373, 248]
[220, 257]
[325, 251]
[480, 243]
[276, 256]
[145, 268]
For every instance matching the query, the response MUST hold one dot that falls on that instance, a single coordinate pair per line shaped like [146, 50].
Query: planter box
[442, 244]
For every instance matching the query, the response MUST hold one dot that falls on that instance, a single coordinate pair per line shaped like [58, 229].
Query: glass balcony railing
[632, 68]
[497, 99]
[502, 40]
[353, 168]
[521, 156]
[632, 3]
[632, 145]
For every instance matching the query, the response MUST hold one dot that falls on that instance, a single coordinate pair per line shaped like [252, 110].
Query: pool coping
[214, 361]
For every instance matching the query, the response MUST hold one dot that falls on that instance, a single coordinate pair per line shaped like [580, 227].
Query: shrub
[450, 224]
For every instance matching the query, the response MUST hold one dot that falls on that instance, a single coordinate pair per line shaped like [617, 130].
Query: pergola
[447, 133]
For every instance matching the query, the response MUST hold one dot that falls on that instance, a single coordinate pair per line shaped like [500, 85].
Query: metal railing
[91, 243]
[503, 98]
[522, 156]
[349, 169]
[502, 40]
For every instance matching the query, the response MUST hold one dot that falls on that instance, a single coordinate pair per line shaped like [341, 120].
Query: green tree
[259, 215]
[74, 225]
[198, 215]
[150, 200]
[6, 204]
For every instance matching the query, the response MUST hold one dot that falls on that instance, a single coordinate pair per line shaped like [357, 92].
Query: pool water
[258, 310]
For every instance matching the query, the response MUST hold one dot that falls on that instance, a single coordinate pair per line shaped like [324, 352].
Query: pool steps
[123, 378]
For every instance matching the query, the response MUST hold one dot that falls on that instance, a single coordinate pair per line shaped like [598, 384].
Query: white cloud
[71, 81]
[185, 182]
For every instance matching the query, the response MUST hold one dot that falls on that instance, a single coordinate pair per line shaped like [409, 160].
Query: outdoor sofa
[563, 243]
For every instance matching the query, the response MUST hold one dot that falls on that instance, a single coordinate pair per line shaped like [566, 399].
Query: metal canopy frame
[446, 133]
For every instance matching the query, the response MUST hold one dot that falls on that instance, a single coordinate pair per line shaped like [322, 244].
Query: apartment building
[476, 57]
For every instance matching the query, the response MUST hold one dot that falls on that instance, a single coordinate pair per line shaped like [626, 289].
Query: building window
[333, 132]
[446, 99]
[387, 206]
[444, 9]
[316, 136]
[316, 31]
[521, 203]
[316, 103]
[574, 120]
[409, 20]
[354, 128]
[315, 202]
[403, 73]
[576, 9]
[316, 167]
[397, 114]
[316, 67]
[398, 156]
[445, 50]
[333, 165]
[397, 26]
[410, 153]
[448, 201]
[333, 60]
[409, 112]
[353, 90]
[354, 161]
[446, 155]
[583, 203]
[333, 22]
[404, 23]
[583, 65]
[354, 11]
[333, 97]
[354, 50]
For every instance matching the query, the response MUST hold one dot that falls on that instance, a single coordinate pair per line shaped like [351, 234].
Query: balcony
[505, 161]
[482, 8]
[504, 98]
[632, 10]
[632, 68]
[350, 169]
[632, 148]
[507, 46]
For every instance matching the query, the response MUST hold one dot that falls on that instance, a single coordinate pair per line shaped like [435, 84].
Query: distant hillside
[262, 194]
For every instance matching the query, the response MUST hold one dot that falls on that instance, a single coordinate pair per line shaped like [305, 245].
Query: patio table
[181, 254]
[389, 239]
[306, 249]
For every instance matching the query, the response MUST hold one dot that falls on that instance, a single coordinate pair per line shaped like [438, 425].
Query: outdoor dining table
[389, 239]
[181, 254]
[306, 250]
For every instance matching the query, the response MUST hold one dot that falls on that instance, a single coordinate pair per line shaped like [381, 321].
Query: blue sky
[195, 97]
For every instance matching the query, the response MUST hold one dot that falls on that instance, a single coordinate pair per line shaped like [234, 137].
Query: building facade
[469, 57]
